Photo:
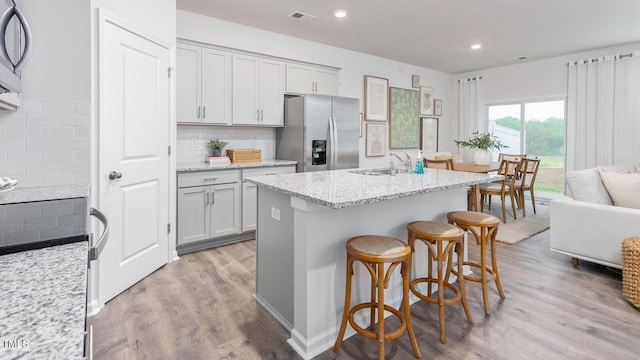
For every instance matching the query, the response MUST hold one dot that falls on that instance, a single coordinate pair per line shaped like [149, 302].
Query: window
[536, 129]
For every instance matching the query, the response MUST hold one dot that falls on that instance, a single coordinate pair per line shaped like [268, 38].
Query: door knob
[115, 175]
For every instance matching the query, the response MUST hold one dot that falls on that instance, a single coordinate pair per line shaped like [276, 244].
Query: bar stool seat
[447, 239]
[374, 252]
[484, 228]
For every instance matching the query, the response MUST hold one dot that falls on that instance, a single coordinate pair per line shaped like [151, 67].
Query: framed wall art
[404, 118]
[429, 135]
[376, 98]
[361, 125]
[376, 137]
[426, 100]
[437, 107]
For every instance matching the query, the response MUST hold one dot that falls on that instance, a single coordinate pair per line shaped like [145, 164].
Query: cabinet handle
[198, 112]
[261, 115]
[213, 198]
[315, 86]
[206, 199]
[204, 112]
[210, 179]
[258, 115]
[267, 174]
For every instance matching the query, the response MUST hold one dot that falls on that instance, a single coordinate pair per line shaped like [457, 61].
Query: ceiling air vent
[301, 16]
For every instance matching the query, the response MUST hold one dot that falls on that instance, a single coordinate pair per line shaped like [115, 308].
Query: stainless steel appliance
[15, 44]
[321, 133]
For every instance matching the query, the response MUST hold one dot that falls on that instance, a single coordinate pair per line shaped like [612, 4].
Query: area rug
[514, 231]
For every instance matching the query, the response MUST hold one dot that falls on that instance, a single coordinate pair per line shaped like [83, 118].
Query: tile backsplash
[192, 140]
[45, 143]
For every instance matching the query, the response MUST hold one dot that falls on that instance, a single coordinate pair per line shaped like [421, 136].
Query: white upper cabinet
[306, 79]
[203, 85]
[258, 91]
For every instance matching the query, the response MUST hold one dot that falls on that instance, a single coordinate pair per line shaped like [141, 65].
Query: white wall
[354, 65]
[535, 80]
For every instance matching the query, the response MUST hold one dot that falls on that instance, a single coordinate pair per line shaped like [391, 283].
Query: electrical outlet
[275, 213]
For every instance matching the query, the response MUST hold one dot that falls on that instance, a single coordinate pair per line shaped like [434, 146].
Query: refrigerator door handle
[334, 150]
[330, 147]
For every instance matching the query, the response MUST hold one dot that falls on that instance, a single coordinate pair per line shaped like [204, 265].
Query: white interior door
[134, 138]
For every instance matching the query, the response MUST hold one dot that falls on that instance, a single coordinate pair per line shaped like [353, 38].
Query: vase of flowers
[483, 143]
[215, 146]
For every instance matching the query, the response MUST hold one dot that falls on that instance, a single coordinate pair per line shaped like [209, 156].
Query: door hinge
[168, 228]
[169, 151]
[169, 70]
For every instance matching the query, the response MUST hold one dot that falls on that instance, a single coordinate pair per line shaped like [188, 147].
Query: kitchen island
[304, 221]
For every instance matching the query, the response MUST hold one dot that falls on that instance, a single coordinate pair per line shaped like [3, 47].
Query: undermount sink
[376, 172]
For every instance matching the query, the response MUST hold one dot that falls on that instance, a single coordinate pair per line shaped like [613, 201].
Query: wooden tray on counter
[244, 155]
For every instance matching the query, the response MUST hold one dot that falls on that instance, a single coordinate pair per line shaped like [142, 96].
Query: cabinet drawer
[271, 170]
[208, 178]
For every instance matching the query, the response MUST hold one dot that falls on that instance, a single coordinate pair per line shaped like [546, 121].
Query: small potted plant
[216, 146]
[483, 143]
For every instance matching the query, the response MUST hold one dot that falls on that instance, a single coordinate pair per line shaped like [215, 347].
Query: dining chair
[446, 163]
[510, 170]
[526, 180]
[504, 156]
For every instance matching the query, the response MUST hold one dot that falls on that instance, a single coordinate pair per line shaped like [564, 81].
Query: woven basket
[631, 270]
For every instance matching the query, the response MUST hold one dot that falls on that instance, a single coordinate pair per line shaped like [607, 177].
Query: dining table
[472, 167]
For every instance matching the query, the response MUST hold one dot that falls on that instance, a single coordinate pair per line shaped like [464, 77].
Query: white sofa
[586, 224]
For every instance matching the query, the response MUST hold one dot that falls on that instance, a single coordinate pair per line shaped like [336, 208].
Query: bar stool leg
[494, 263]
[483, 270]
[406, 275]
[347, 304]
[372, 317]
[460, 280]
[380, 281]
[441, 290]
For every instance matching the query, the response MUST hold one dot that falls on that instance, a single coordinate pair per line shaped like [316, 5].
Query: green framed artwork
[404, 118]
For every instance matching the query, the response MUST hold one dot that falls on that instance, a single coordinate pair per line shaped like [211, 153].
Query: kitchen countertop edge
[43, 193]
[189, 167]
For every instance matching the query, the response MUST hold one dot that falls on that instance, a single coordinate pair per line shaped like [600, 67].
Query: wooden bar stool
[374, 252]
[485, 228]
[440, 234]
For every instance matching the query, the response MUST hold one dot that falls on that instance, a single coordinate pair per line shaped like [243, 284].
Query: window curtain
[603, 111]
[468, 112]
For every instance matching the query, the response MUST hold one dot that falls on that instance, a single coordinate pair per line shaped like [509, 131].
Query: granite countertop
[184, 167]
[345, 188]
[43, 302]
[40, 193]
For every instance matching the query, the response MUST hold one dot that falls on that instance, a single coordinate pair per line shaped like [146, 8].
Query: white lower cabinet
[208, 211]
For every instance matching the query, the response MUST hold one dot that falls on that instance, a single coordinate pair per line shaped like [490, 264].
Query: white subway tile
[82, 109]
[16, 118]
[74, 144]
[42, 144]
[30, 180]
[24, 156]
[57, 131]
[57, 179]
[81, 155]
[81, 132]
[12, 170]
[41, 168]
[42, 119]
[31, 106]
[14, 131]
[74, 167]
[16, 144]
[74, 120]
[57, 108]
[58, 156]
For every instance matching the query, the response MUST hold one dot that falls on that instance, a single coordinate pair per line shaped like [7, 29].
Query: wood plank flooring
[201, 307]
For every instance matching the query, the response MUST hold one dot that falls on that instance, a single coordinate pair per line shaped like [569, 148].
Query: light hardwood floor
[201, 307]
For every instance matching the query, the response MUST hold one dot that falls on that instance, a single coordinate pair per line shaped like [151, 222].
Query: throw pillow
[585, 185]
[623, 188]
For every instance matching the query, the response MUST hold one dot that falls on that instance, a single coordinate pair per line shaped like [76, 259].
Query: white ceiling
[437, 34]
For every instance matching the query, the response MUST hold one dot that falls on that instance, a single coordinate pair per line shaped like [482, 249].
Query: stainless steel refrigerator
[320, 132]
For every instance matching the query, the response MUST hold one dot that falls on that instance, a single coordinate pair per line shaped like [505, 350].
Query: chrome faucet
[407, 162]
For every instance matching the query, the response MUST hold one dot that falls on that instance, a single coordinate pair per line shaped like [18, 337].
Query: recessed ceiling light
[340, 13]
[476, 46]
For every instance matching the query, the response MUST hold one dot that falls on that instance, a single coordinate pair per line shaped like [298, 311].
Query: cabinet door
[193, 214]
[225, 210]
[271, 92]
[216, 86]
[246, 89]
[249, 206]
[326, 82]
[300, 79]
[187, 83]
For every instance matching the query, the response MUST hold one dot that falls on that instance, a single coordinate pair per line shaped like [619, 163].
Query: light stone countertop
[184, 167]
[43, 302]
[41, 193]
[345, 188]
